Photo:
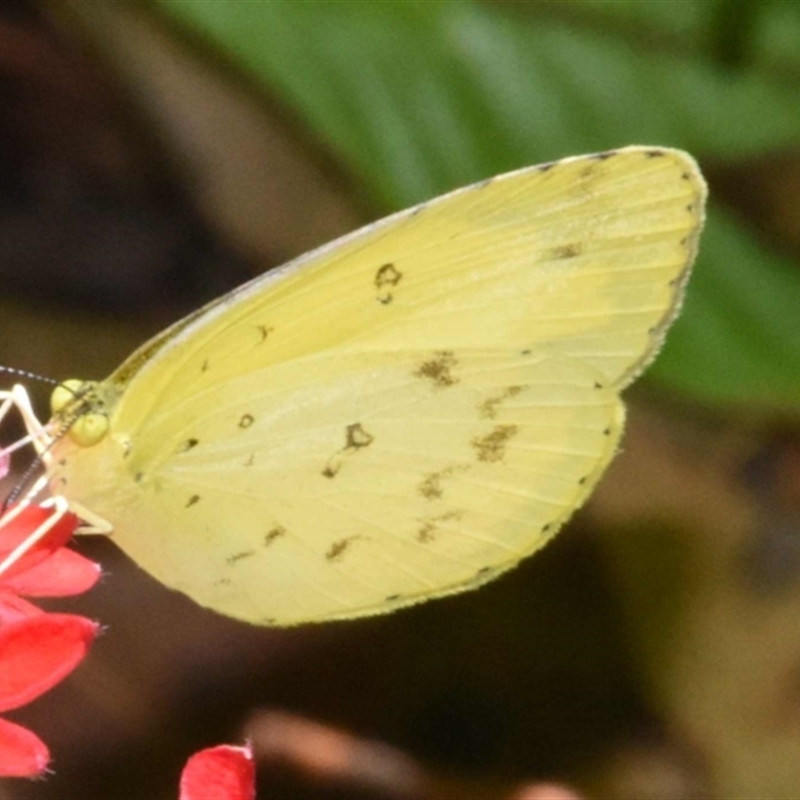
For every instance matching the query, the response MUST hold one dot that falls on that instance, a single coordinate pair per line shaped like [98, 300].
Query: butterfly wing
[403, 413]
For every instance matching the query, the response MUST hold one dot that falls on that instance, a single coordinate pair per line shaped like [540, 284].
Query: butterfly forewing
[586, 257]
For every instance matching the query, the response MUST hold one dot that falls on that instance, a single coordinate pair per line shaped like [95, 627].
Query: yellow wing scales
[436, 485]
[404, 413]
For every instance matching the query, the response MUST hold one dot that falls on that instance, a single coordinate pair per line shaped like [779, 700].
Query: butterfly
[404, 413]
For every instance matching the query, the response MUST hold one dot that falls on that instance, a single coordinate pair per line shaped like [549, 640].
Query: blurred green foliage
[416, 98]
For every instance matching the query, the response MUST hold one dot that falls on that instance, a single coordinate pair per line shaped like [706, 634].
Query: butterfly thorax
[83, 408]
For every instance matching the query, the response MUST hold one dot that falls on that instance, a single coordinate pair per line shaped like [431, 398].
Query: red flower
[37, 650]
[220, 773]
[46, 568]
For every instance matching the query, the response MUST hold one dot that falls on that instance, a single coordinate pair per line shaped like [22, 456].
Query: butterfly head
[81, 407]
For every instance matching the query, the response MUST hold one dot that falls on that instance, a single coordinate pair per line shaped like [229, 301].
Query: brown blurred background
[652, 651]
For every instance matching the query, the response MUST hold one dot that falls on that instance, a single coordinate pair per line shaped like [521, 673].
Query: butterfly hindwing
[409, 476]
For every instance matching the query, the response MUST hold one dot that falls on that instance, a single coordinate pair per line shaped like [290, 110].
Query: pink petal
[220, 773]
[22, 753]
[15, 531]
[39, 651]
[63, 573]
[13, 609]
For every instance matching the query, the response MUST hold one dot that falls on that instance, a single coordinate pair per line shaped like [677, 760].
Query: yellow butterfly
[402, 414]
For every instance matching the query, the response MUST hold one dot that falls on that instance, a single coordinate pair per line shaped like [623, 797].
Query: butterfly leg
[91, 523]
[38, 434]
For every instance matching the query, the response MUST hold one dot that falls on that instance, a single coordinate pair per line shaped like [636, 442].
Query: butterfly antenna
[35, 465]
[20, 485]
[22, 373]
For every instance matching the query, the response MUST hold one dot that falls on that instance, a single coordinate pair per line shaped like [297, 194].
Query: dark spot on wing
[438, 369]
[386, 278]
[246, 420]
[393, 598]
[273, 534]
[655, 153]
[564, 251]
[337, 550]
[488, 408]
[546, 527]
[607, 432]
[492, 447]
[604, 155]
[582, 481]
[429, 529]
[265, 331]
[525, 352]
[204, 368]
[547, 166]
[598, 385]
[190, 443]
[138, 477]
[431, 486]
[195, 498]
[63, 462]
[427, 533]
[483, 575]
[355, 438]
[231, 560]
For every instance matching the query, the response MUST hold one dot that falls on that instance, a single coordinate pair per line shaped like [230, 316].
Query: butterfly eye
[89, 429]
[64, 394]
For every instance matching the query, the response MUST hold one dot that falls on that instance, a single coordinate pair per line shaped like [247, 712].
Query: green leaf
[738, 339]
